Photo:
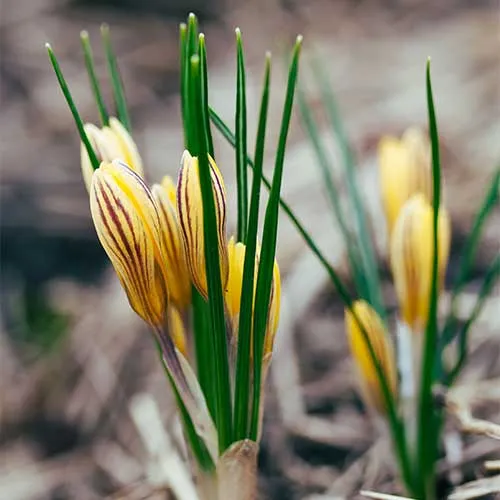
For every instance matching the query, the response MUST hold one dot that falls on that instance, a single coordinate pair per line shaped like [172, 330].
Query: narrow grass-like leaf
[241, 141]
[204, 351]
[214, 283]
[203, 458]
[190, 48]
[243, 365]
[398, 432]
[469, 253]
[116, 80]
[326, 169]
[489, 281]
[366, 248]
[341, 288]
[71, 104]
[184, 65]
[202, 50]
[269, 237]
[94, 82]
[426, 449]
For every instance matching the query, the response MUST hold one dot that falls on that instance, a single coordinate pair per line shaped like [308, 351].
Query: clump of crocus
[212, 303]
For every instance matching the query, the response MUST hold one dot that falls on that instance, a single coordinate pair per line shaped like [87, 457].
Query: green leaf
[189, 47]
[215, 292]
[490, 279]
[184, 74]
[242, 384]
[94, 82]
[116, 80]
[366, 248]
[203, 348]
[269, 237]
[339, 285]
[204, 78]
[326, 169]
[397, 430]
[426, 449]
[71, 104]
[241, 141]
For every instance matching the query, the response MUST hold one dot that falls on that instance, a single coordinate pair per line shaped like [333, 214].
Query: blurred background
[72, 355]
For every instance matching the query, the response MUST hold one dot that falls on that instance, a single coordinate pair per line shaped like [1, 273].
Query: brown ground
[65, 427]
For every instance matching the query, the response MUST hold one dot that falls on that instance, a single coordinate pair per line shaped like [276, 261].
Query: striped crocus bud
[128, 227]
[178, 279]
[109, 143]
[405, 169]
[382, 347]
[190, 214]
[412, 256]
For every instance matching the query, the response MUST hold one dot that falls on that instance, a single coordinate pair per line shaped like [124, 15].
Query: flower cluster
[406, 188]
[154, 237]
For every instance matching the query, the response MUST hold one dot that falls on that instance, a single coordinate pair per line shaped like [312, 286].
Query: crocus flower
[236, 255]
[412, 255]
[178, 279]
[405, 169]
[190, 216]
[378, 337]
[109, 143]
[128, 227]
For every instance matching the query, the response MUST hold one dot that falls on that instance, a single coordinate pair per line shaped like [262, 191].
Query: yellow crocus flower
[190, 216]
[411, 258]
[405, 169]
[128, 227]
[109, 143]
[236, 254]
[378, 337]
[178, 280]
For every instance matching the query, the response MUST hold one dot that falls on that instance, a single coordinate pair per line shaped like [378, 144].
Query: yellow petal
[411, 258]
[178, 279]
[236, 257]
[105, 148]
[378, 337]
[129, 152]
[176, 329]
[274, 310]
[127, 224]
[405, 169]
[190, 215]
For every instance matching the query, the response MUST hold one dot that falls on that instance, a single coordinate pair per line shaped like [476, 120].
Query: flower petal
[411, 258]
[127, 225]
[178, 278]
[190, 215]
[405, 169]
[378, 337]
[130, 153]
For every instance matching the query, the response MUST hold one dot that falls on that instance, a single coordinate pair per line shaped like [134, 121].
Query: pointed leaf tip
[84, 34]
